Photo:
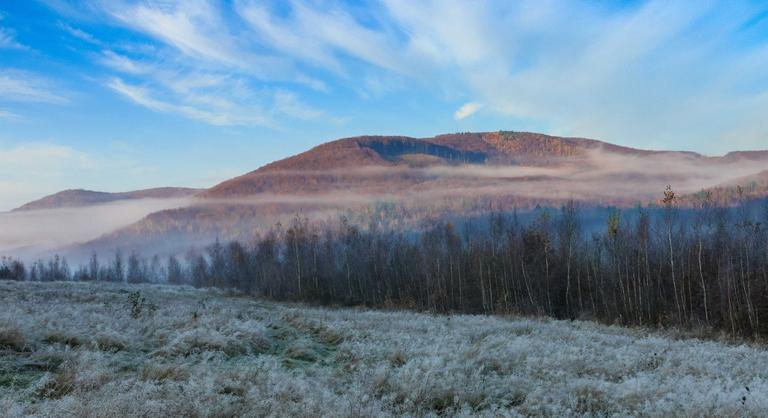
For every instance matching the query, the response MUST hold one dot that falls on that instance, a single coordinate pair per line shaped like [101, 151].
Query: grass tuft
[11, 338]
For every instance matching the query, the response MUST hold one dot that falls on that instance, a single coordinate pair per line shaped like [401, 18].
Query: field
[98, 350]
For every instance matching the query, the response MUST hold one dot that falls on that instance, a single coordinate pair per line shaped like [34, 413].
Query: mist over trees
[11, 269]
[662, 266]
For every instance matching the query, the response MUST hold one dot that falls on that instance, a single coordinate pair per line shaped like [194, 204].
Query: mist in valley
[168, 226]
[41, 232]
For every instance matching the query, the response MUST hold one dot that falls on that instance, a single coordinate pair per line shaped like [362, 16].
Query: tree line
[658, 266]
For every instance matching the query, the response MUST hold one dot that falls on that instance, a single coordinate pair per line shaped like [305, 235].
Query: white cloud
[20, 86]
[216, 100]
[79, 34]
[321, 33]
[289, 104]
[184, 26]
[197, 29]
[660, 71]
[8, 39]
[285, 38]
[654, 71]
[206, 71]
[138, 94]
[122, 63]
[468, 109]
[212, 109]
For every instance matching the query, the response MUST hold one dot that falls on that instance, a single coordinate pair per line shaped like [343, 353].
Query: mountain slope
[376, 164]
[731, 192]
[397, 164]
[82, 198]
[402, 181]
[369, 164]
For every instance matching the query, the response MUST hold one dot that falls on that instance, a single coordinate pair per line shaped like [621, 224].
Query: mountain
[403, 181]
[394, 165]
[83, 198]
[475, 163]
[385, 164]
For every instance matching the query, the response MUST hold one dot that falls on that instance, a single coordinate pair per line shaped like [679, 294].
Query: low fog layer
[34, 231]
[605, 174]
[598, 177]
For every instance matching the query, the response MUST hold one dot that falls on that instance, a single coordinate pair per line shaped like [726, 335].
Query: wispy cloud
[22, 86]
[322, 35]
[202, 69]
[665, 71]
[467, 110]
[211, 109]
[197, 30]
[217, 100]
[289, 104]
[8, 39]
[79, 34]
[7, 115]
[645, 73]
[122, 63]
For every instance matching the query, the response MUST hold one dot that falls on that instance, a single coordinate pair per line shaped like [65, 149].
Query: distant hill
[381, 164]
[82, 198]
[730, 192]
[385, 165]
[398, 180]
[473, 162]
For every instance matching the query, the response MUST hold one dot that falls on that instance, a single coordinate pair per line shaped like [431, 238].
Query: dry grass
[11, 337]
[81, 350]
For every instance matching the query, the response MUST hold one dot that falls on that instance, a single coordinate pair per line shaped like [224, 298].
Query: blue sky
[118, 95]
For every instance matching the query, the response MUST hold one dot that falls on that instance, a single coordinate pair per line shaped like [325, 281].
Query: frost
[77, 349]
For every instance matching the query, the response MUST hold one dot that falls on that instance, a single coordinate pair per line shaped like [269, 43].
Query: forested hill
[403, 181]
[82, 198]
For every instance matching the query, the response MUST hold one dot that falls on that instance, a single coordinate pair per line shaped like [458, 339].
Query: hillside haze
[423, 178]
[395, 164]
[351, 163]
[81, 198]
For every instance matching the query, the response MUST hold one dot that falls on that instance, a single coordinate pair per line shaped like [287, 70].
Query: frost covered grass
[99, 350]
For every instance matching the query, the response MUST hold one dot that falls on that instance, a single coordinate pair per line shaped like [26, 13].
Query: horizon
[120, 96]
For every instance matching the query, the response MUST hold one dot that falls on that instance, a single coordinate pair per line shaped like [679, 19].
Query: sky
[120, 95]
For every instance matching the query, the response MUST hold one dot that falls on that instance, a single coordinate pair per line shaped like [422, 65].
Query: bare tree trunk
[703, 285]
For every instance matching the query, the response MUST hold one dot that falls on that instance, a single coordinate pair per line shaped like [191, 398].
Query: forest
[704, 267]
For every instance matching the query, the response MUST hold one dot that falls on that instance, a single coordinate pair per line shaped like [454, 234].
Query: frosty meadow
[102, 350]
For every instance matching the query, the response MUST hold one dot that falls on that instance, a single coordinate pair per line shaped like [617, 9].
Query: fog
[598, 177]
[37, 231]
[600, 174]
